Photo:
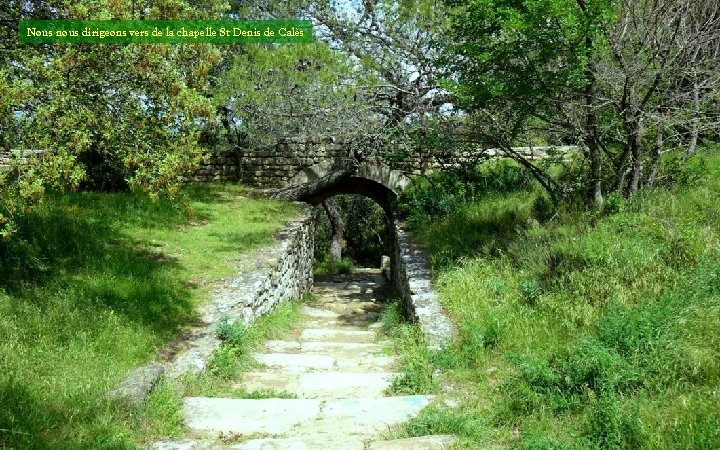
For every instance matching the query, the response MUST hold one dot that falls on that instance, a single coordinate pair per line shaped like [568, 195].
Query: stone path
[336, 365]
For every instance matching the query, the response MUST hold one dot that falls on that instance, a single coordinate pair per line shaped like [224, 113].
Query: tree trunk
[632, 127]
[596, 175]
[595, 195]
[621, 170]
[655, 157]
[306, 191]
[695, 122]
[336, 226]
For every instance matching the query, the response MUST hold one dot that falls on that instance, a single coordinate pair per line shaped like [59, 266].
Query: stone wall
[275, 165]
[410, 273]
[270, 166]
[272, 275]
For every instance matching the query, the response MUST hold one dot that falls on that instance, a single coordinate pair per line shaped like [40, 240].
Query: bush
[439, 194]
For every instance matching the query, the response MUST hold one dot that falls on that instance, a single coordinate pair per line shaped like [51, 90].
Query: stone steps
[319, 347]
[337, 367]
[325, 442]
[320, 362]
[314, 385]
[331, 335]
[341, 417]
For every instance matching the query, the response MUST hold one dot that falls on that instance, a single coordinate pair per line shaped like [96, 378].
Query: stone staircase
[337, 366]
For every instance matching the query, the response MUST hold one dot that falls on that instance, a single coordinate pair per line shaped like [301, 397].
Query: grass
[91, 287]
[235, 355]
[329, 266]
[587, 330]
[416, 372]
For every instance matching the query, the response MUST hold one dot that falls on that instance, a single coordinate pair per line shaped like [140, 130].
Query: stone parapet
[411, 277]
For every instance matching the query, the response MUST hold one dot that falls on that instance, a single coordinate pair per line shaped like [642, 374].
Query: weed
[331, 266]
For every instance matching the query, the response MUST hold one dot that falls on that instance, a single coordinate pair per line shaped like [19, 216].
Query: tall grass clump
[587, 329]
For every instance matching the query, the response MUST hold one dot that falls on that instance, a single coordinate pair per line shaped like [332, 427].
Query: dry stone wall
[270, 166]
[277, 274]
[275, 165]
[411, 276]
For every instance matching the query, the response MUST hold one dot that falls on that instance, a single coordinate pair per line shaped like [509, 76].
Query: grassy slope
[98, 282]
[586, 331]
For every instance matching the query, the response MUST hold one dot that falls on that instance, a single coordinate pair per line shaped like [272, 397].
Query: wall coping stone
[412, 278]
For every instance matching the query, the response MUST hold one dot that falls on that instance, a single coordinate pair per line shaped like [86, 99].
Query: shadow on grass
[78, 246]
[21, 424]
[466, 234]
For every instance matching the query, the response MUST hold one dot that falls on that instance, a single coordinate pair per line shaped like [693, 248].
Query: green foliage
[92, 285]
[441, 193]
[106, 116]
[589, 330]
[330, 266]
[677, 171]
[234, 356]
[307, 89]
[409, 343]
[365, 233]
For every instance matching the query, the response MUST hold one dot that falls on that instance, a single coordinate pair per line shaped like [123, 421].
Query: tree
[105, 116]
[596, 72]
[269, 92]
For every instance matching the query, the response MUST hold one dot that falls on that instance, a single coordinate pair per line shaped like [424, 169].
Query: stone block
[138, 385]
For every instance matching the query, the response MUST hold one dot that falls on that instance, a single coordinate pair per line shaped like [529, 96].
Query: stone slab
[433, 442]
[135, 388]
[340, 417]
[226, 415]
[371, 362]
[343, 384]
[309, 311]
[319, 346]
[294, 361]
[367, 416]
[325, 335]
[181, 444]
[280, 346]
[300, 443]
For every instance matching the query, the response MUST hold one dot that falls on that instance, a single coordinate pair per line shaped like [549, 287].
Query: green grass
[235, 354]
[330, 266]
[416, 371]
[589, 330]
[92, 285]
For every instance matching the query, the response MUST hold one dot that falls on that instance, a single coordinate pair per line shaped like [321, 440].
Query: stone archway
[370, 178]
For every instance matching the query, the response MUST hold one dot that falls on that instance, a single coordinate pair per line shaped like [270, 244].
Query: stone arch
[372, 179]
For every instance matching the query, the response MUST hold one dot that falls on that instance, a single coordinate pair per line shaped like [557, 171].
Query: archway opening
[351, 231]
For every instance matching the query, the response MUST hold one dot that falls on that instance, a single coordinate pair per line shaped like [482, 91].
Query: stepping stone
[181, 444]
[277, 381]
[278, 346]
[324, 335]
[342, 347]
[319, 384]
[344, 417]
[366, 415]
[343, 384]
[323, 347]
[316, 312]
[360, 324]
[227, 415]
[301, 443]
[365, 362]
[434, 442]
[294, 361]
